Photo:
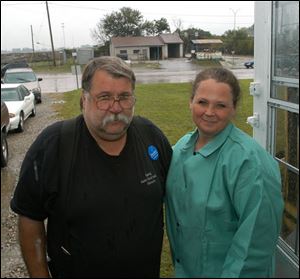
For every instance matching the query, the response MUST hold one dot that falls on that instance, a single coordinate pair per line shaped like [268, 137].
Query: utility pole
[53, 53]
[32, 39]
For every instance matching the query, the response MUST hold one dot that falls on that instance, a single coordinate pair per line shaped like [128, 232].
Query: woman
[223, 201]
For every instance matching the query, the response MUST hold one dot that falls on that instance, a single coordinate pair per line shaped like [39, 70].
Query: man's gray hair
[114, 66]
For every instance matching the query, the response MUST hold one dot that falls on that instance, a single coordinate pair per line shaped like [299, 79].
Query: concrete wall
[30, 57]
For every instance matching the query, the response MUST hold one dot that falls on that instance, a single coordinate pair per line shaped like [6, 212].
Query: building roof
[171, 38]
[207, 41]
[136, 41]
[159, 40]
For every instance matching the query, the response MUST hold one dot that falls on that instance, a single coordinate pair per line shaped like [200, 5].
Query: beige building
[163, 46]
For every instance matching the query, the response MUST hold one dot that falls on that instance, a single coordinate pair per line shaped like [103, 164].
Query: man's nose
[116, 107]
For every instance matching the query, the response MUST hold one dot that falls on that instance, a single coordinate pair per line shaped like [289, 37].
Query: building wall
[144, 52]
[181, 50]
[114, 51]
[165, 54]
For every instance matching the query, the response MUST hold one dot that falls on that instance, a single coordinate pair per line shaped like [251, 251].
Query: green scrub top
[223, 207]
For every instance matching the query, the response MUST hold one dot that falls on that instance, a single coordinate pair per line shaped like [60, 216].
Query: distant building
[206, 44]
[16, 50]
[84, 55]
[26, 49]
[162, 46]
[207, 49]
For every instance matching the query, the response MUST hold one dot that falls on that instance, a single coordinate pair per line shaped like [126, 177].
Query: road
[174, 70]
[183, 76]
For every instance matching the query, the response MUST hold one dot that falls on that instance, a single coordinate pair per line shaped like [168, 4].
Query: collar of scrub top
[211, 146]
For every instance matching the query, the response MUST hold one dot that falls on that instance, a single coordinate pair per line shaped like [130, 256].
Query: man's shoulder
[54, 129]
[140, 120]
[145, 126]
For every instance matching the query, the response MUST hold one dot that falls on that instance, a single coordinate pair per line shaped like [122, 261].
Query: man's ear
[82, 100]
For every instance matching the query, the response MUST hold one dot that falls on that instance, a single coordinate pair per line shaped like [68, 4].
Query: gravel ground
[12, 264]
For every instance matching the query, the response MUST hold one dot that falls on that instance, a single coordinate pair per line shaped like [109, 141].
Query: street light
[234, 34]
[63, 29]
[234, 18]
[74, 55]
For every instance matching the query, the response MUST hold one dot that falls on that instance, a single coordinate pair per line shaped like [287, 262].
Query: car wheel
[4, 150]
[33, 112]
[21, 123]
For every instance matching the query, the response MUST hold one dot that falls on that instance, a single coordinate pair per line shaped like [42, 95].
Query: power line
[146, 13]
[23, 3]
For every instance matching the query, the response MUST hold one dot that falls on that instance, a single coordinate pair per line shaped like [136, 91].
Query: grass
[146, 65]
[208, 63]
[167, 105]
[47, 67]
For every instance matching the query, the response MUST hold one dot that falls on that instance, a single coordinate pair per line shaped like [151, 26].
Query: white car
[27, 77]
[20, 103]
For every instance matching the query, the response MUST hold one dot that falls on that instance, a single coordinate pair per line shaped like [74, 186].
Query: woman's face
[212, 107]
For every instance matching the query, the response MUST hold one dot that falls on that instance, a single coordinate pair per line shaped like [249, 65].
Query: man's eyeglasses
[104, 102]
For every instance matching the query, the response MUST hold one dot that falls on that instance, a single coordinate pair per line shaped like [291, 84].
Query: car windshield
[19, 77]
[9, 94]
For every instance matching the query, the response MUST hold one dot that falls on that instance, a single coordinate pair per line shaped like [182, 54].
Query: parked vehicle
[123, 56]
[20, 64]
[4, 130]
[20, 103]
[249, 64]
[27, 77]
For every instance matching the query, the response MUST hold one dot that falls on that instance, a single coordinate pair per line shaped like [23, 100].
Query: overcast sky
[72, 21]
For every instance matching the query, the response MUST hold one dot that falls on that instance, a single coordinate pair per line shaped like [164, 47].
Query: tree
[178, 25]
[161, 25]
[238, 41]
[98, 34]
[191, 34]
[149, 28]
[127, 22]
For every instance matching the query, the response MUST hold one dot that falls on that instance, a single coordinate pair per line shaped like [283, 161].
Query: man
[108, 220]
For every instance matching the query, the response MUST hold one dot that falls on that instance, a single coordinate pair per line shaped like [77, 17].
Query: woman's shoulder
[243, 144]
[242, 139]
[183, 141]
